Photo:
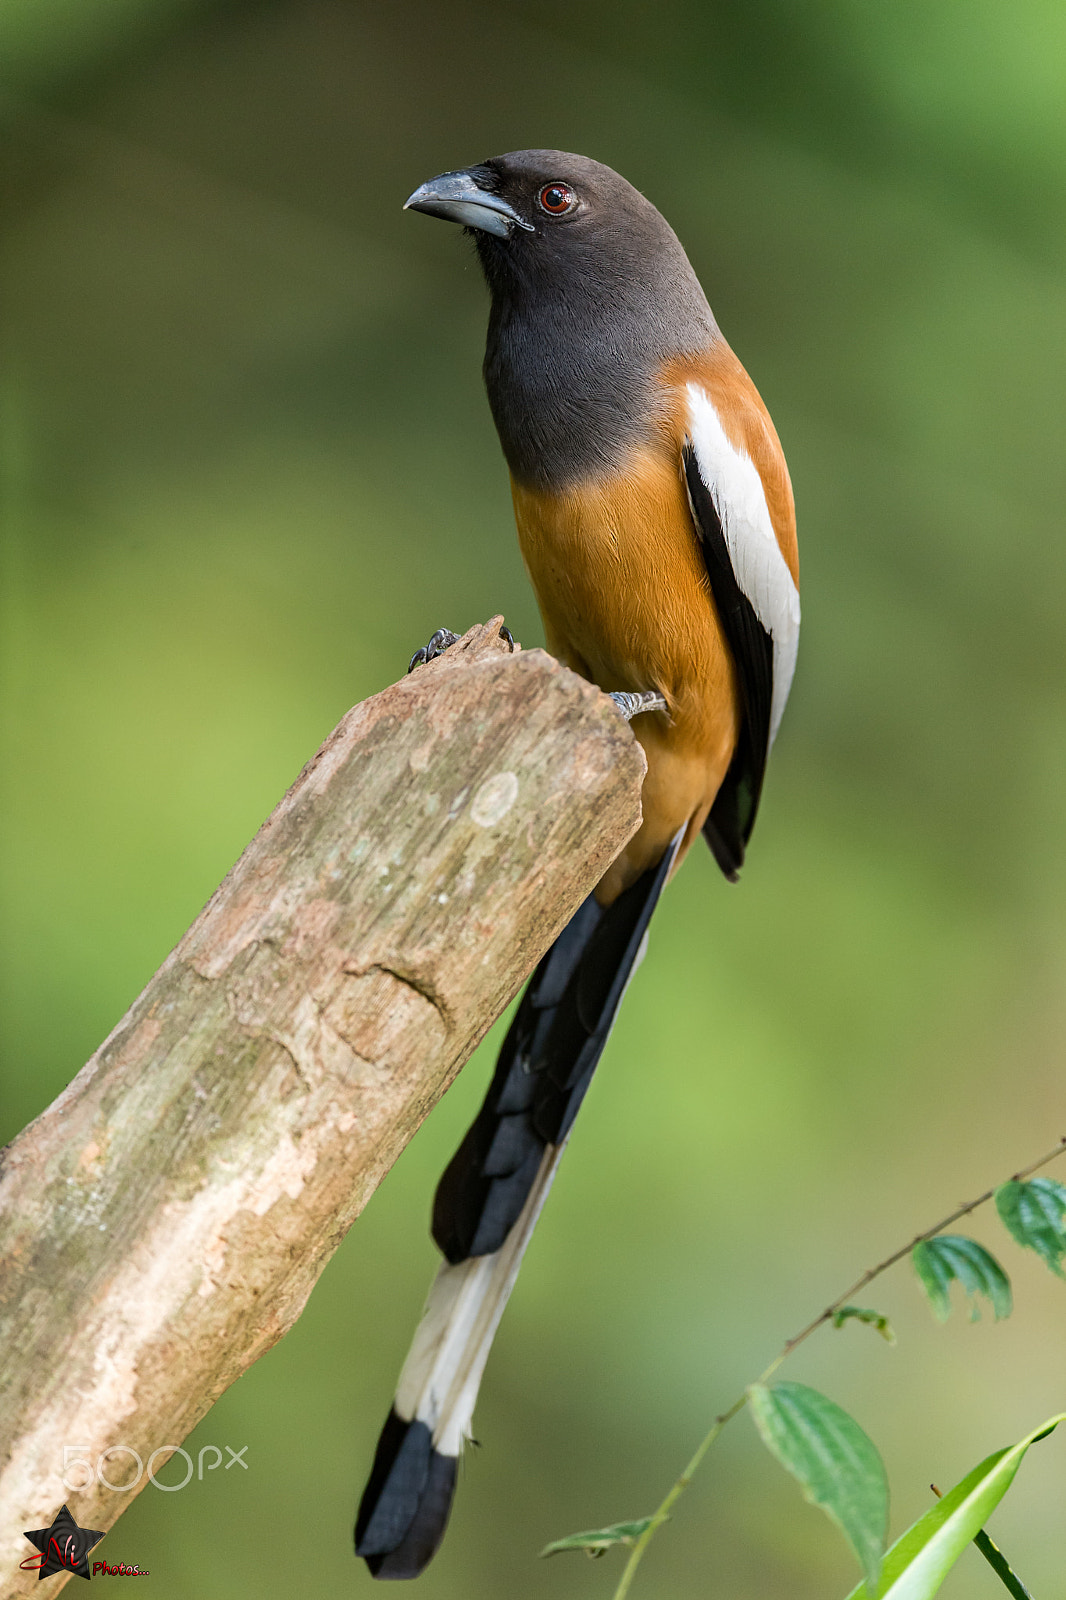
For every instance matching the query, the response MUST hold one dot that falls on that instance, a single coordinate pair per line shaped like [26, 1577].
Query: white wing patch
[758, 565]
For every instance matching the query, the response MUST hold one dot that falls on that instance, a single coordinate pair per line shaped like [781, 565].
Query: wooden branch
[164, 1221]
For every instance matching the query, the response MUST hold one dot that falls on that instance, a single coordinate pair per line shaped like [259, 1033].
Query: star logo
[64, 1546]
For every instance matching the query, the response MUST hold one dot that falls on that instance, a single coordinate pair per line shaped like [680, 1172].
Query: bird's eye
[557, 199]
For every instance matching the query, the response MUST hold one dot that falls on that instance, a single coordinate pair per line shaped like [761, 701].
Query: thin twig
[919, 1238]
[682, 1483]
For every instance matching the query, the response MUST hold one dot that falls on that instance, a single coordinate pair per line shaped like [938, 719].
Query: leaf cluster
[837, 1465]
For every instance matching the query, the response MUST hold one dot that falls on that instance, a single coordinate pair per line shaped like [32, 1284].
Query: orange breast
[625, 599]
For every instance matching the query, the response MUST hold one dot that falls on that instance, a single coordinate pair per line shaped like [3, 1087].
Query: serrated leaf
[952, 1257]
[1033, 1213]
[918, 1563]
[862, 1314]
[600, 1539]
[835, 1462]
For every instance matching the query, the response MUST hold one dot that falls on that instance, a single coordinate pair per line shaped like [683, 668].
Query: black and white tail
[486, 1208]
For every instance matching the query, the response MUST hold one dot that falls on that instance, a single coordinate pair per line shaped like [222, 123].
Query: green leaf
[861, 1314]
[952, 1256]
[837, 1466]
[1033, 1214]
[601, 1539]
[918, 1563]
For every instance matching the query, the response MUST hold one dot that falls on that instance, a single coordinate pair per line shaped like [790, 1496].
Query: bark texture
[163, 1222]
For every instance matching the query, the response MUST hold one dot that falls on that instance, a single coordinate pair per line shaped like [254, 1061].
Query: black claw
[442, 640]
[507, 636]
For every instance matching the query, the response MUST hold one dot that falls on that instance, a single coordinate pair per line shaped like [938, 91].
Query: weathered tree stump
[163, 1222]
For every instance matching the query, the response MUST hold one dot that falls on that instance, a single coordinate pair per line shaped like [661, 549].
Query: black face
[591, 293]
[556, 208]
[539, 194]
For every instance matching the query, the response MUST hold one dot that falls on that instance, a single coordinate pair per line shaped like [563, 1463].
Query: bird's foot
[442, 640]
[631, 705]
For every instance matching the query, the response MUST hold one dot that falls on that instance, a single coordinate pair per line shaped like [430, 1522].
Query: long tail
[486, 1208]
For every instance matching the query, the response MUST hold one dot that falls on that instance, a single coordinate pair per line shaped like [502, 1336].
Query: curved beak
[457, 197]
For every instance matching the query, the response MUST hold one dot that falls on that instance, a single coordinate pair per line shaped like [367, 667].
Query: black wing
[732, 816]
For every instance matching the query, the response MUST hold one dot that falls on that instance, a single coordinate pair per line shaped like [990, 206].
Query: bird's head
[540, 215]
[591, 295]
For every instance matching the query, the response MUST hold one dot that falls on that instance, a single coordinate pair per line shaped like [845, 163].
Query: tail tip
[407, 1501]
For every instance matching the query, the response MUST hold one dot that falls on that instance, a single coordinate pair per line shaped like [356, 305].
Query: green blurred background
[248, 467]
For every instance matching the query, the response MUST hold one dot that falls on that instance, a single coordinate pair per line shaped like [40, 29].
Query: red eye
[556, 199]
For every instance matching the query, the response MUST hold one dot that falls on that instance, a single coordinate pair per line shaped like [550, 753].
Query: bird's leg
[631, 705]
[441, 641]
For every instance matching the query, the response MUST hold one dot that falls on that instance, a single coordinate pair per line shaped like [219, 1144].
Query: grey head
[591, 293]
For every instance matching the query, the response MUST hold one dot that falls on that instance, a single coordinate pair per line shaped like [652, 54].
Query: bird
[656, 522]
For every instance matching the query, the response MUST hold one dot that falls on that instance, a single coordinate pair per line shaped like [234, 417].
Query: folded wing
[757, 601]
